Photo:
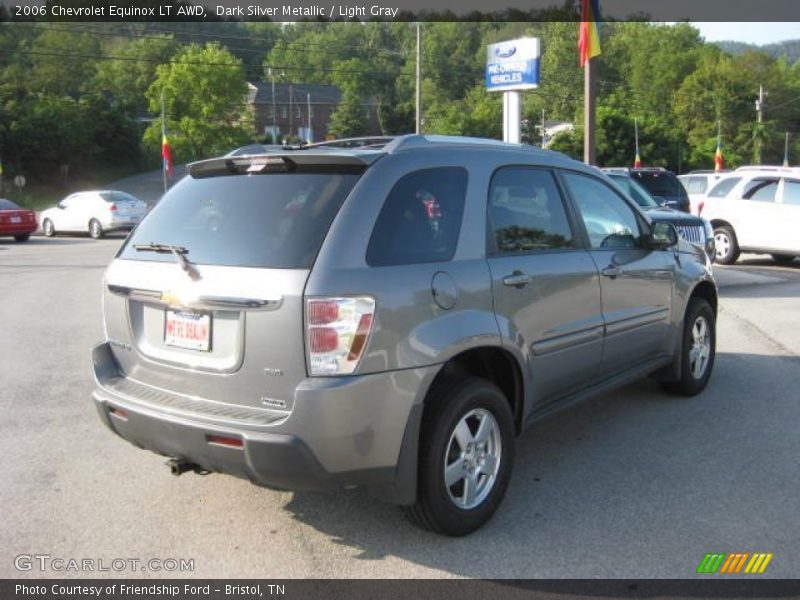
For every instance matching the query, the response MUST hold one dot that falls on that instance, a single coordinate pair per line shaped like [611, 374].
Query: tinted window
[659, 183]
[526, 212]
[761, 190]
[791, 192]
[7, 205]
[274, 220]
[421, 218]
[723, 187]
[640, 195]
[610, 222]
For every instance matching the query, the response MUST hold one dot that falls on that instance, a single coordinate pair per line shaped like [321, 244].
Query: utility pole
[291, 115]
[760, 117]
[588, 112]
[419, 80]
[310, 129]
[542, 128]
[274, 110]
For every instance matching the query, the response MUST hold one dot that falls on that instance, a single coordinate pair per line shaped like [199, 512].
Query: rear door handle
[611, 272]
[517, 279]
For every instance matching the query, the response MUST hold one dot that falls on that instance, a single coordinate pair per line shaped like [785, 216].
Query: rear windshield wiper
[179, 252]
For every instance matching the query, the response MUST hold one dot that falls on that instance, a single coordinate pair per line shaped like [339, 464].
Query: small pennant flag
[637, 162]
[588, 32]
[166, 153]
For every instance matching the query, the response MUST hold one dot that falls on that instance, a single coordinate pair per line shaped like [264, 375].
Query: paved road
[634, 484]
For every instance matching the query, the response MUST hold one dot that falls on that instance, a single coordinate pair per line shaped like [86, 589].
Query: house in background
[299, 109]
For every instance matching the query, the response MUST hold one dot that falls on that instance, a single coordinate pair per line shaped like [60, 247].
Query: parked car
[697, 184]
[691, 228]
[95, 213]
[663, 185]
[16, 221]
[755, 210]
[390, 317]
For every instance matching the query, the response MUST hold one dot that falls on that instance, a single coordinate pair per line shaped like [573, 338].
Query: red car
[16, 221]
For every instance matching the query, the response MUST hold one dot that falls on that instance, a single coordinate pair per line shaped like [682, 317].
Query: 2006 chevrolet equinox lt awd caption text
[390, 316]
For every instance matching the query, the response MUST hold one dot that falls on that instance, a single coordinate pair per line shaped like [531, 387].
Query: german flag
[588, 32]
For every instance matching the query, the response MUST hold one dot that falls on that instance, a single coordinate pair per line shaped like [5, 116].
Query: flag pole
[786, 150]
[163, 133]
[589, 90]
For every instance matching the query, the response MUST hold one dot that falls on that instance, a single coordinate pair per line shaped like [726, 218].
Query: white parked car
[95, 213]
[698, 183]
[755, 209]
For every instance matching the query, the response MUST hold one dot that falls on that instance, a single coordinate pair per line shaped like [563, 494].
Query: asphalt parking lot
[634, 484]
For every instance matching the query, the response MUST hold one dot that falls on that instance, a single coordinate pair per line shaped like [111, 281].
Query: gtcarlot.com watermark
[59, 564]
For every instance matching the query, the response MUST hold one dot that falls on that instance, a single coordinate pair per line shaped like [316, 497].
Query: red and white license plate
[186, 329]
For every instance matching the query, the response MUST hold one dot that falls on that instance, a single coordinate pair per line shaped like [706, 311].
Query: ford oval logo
[505, 52]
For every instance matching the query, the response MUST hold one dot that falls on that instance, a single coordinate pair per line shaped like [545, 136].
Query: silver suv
[390, 316]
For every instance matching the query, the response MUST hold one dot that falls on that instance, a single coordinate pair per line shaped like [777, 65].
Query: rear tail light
[337, 331]
[700, 208]
[112, 208]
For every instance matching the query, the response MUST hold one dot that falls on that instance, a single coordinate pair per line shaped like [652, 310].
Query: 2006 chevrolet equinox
[390, 316]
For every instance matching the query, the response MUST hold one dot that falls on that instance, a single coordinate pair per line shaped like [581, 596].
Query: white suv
[95, 213]
[755, 209]
[697, 184]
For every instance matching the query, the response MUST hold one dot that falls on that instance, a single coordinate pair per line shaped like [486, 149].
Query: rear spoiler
[317, 162]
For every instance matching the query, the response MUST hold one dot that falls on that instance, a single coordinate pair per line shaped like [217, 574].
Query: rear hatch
[124, 205]
[205, 299]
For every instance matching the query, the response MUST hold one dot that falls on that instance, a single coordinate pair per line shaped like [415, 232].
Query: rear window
[118, 197]
[421, 218]
[659, 183]
[723, 187]
[7, 205]
[696, 185]
[635, 191]
[274, 220]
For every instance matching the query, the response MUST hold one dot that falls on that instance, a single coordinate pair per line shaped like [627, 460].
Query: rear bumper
[349, 431]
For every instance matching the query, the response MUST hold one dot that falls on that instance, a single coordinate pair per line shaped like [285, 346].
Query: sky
[753, 33]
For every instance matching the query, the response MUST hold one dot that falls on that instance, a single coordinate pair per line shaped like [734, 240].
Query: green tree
[204, 92]
[350, 117]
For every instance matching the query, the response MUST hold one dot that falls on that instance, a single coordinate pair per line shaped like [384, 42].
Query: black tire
[783, 259]
[690, 382]
[47, 227]
[727, 247]
[448, 404]
[95, 229]
[24, 237]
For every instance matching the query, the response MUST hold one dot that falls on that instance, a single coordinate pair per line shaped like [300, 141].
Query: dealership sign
[513, 65]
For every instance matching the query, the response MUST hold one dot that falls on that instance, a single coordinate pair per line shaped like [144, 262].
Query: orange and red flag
[588, 32]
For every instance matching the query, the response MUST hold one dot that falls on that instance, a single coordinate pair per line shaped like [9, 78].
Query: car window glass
[723, 187]
[276, 220]
[659, 183]
[791, 192]
[610, 222]
[420, 219]
[761, 190]
[697, 185]
[526, 212]
[640, 195]
[7, 205]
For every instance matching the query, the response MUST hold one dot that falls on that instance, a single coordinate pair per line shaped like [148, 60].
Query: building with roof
[300, 110]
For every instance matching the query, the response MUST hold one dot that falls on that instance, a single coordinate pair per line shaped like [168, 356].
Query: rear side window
[761, 190]
[526, 212]
[276, 220]
[421, 218]
[791, 192]
[723, 187]
[7, 205]
[117, 197]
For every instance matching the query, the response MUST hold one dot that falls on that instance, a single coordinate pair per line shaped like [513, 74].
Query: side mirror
[60, 205]
[663, 235]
